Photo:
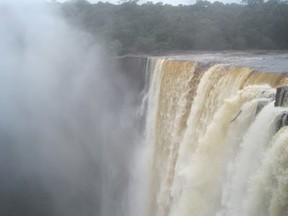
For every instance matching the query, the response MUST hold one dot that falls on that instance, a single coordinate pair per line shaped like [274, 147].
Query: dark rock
[281, 99]
[134, 68]
[282, 121]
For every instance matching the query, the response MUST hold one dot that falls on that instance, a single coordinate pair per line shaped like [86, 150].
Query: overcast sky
[172, 2]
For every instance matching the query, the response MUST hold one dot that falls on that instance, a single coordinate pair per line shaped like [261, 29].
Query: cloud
[171, 2]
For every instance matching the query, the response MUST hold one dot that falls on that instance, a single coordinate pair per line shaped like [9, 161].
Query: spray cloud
[64, 124]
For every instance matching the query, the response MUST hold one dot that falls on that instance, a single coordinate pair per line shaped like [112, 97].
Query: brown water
[209, 153]
[265, 61]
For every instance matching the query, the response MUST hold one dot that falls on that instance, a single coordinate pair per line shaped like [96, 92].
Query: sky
[172, 2]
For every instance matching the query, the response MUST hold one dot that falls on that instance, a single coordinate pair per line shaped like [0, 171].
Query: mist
[67, 124]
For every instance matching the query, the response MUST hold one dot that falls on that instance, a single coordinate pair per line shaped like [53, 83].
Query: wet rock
[282, 121]
[281, 99]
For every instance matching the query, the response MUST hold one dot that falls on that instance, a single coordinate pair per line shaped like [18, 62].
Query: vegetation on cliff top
[153, 28]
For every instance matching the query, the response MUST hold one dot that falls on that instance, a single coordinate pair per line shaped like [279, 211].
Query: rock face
[134, 68]
[281, 99]
[282, 121]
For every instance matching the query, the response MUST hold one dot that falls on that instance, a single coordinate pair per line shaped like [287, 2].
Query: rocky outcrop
[134, 68]
[281, 99]
[282, 121]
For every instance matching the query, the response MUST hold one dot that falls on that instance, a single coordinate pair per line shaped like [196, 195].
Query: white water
[68, 143]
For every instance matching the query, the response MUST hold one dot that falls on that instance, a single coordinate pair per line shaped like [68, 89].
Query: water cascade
[217, 143]
[71, 129]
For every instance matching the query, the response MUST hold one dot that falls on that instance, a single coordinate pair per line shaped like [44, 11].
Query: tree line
[153, 28]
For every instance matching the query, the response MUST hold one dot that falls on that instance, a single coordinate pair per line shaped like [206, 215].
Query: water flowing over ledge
[214, 146]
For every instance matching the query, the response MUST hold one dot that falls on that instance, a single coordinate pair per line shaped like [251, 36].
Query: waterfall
[214, 147]
[72, 141]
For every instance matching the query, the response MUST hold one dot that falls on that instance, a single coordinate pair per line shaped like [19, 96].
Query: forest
[132, 28]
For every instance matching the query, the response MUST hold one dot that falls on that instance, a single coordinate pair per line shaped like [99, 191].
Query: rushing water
[71, 140]
[212, 145]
